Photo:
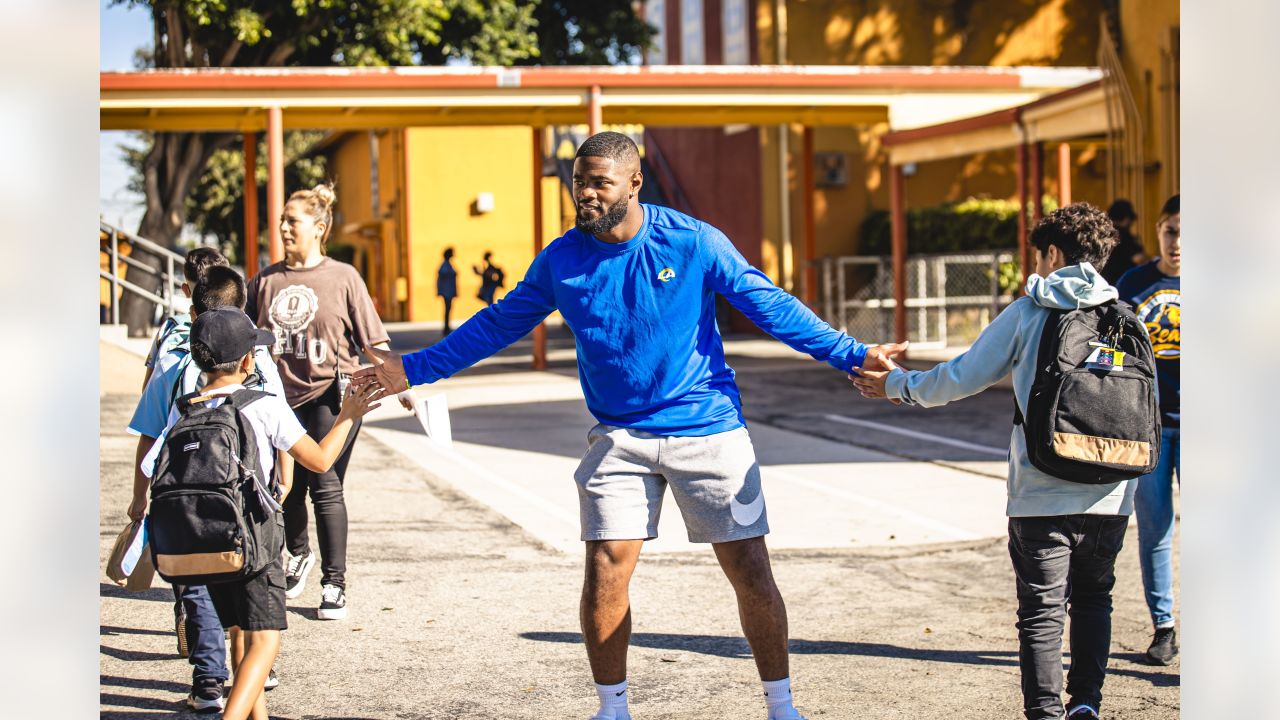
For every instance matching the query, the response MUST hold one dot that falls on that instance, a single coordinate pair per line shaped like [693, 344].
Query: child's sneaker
[206, 695]
[295, 573]
[1082, 712]
[617, 715]
[789, 714]
[272, 682]
[333, 603]
[1164, 646]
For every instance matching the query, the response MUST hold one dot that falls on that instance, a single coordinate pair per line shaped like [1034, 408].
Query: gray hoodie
[1010, 344]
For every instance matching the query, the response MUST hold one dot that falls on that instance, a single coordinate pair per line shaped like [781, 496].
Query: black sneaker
[295, 573]
[272, 682]
[1164, 646]
[333, 603]
[180, 629]
[1081, 712]
[206, 696]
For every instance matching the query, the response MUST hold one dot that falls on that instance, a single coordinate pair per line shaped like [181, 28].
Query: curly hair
[1082, 232]
[198, 261]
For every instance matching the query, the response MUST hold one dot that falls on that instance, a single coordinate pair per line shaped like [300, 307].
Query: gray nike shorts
[715, 480]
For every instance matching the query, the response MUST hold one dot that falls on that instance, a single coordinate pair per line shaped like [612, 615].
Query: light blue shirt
[177, 375]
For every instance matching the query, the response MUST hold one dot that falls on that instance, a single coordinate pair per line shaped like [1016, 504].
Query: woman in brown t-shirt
[321, 313]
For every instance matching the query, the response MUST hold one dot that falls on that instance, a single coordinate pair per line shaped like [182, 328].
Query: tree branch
[229, 56]
[279, 55]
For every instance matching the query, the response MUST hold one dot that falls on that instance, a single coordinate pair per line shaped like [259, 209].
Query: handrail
[167, 275]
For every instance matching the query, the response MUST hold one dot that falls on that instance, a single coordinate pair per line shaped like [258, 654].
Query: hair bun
[324, 192]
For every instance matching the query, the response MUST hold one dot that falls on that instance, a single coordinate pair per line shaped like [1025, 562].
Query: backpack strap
[184, 403]
[245, 397]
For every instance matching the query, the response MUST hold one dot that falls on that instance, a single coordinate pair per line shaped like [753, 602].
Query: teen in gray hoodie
[1062, 535]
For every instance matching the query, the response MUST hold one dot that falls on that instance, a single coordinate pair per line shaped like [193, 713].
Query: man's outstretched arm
[781, 314]
[488, 331]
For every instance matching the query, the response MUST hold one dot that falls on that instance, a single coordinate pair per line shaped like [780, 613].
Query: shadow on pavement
[736, 647]
[144, 684]
[159, 594]
[135, 655]
[110, 630]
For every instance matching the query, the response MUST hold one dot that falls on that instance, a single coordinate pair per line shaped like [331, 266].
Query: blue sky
[123, 30]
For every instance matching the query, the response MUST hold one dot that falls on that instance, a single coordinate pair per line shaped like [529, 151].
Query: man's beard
[606, 221]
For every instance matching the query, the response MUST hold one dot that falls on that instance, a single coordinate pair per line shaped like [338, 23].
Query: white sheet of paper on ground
[433, 413]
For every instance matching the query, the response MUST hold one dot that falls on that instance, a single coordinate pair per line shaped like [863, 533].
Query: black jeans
[325, 489]
[1064, 565]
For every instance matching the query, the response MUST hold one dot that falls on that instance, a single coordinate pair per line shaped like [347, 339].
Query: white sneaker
[613, 716]
[333, 603]
[295, 573]
[791, 714]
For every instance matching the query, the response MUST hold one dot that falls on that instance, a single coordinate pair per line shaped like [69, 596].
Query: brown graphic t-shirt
[320, 315]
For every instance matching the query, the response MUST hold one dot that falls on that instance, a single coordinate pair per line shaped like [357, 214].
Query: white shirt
[275, 427]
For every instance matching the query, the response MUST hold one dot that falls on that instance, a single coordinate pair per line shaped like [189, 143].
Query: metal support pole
[810, 221]
[168, 285]
[1064, 175]
[250, 204]
[275, 181]
[1037, 183]
[898, 227]
[1023, 257]
[594, 113]
[540, 332]
[786, 253]
[115, 278]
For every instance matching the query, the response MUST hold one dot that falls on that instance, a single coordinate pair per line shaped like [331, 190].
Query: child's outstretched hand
[871, 383]
[361, 398]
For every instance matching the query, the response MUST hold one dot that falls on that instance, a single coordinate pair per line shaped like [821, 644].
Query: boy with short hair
[174, 330]
[1063, 536]
[253, 609]
[195, 621]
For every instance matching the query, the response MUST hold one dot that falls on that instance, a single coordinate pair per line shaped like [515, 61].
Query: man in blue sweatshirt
[637, 284]
[1063, 536]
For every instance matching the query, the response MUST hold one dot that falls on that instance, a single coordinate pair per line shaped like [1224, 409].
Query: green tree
[274, 33]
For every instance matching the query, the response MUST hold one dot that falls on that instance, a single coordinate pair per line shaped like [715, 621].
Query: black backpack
[1085, 424]
[212, 518]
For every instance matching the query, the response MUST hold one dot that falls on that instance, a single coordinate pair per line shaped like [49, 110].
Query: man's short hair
[198, 261]
[613, 145]
[203, 358]
[222, 286]
[1082, 232]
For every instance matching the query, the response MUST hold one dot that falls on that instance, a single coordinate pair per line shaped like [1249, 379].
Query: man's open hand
[880, 357]
[387, 372]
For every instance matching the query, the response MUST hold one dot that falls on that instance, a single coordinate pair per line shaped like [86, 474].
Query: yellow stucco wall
[446, 169]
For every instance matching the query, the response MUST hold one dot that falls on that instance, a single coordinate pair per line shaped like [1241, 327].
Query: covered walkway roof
[355, 98]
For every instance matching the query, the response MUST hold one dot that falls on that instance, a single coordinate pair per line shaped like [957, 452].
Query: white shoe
[295, 573]
[615, 716]
[791, 714]
[333, 603]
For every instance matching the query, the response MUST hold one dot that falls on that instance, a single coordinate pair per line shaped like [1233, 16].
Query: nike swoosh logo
[620, 693]
[747, 514]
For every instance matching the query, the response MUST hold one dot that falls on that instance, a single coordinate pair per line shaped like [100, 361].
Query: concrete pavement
[465, 571]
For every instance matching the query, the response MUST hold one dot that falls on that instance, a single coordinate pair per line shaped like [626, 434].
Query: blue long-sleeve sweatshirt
[650, 355]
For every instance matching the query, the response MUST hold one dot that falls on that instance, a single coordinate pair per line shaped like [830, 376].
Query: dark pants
[448, 306]
[1065, 565]
[208, 648]
[325, 489]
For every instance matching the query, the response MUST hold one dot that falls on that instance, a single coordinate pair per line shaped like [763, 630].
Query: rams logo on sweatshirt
[666, 274]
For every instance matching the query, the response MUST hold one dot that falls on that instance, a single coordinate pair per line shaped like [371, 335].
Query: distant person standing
[1155, 292]
[491, 277]
[447, 286]
[1129, 252]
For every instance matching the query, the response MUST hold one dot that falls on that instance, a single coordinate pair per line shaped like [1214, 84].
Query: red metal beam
[898, 230]
[540, 332]
[993, 119]
[1023, 256]
[1064, 174]
[551, 77]
[250, 256]
[275, 181]
[809, 291]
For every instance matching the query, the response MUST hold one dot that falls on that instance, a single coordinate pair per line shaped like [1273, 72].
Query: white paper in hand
[433, 414]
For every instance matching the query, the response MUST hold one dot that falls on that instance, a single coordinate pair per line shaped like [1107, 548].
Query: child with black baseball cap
[222, 345]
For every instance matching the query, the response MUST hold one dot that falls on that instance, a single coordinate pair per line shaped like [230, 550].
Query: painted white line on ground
[1003, 452]
[952, 531]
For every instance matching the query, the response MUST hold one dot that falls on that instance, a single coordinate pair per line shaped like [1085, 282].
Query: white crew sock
[613, 701]
[777, 696]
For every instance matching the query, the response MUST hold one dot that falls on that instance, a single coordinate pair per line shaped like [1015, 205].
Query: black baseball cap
[228, 333]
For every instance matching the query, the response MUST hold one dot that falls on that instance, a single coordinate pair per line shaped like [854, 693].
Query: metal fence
[950, 297]
[169, 276]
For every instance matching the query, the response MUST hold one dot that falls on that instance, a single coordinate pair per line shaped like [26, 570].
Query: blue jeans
[1153, 505]
[208, 647]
